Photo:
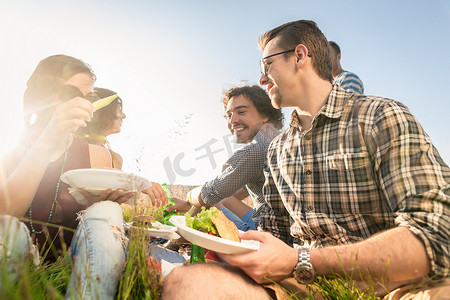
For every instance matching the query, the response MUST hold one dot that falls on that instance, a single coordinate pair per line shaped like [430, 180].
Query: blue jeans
[244, 224]
[98, 251]
[15, 248]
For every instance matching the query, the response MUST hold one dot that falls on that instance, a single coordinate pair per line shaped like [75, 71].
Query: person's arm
[380, 256]
[19, 182]
[244, 166]
[393, 255]
[234, 203]
[193, 198]
[18, 187]
[415, 180]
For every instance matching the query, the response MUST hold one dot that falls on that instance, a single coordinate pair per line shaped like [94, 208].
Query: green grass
[141, 277]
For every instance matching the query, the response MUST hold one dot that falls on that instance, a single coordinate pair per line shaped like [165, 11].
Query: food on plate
[144, 220]
[213, 221]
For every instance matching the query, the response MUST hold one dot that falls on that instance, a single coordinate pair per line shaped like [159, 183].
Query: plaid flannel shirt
[243, 168]
[365, 166]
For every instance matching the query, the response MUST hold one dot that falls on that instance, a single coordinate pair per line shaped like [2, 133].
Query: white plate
[211, 242]
[162, 231]
[104, 178]
[98, 180]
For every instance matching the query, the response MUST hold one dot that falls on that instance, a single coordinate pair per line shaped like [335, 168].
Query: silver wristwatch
[304, 272]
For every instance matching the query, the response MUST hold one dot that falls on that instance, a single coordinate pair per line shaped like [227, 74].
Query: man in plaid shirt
[354, 187]
[254, 122]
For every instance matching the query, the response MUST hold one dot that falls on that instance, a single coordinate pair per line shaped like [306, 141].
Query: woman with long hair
[56, 104]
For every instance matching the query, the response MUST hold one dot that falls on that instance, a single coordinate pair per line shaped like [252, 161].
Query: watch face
[304, 274]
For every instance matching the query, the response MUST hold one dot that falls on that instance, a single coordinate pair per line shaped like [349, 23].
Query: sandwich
[214, 222]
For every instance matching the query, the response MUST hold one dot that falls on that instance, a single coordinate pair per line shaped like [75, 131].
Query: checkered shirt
[243, 168]
[366, 166]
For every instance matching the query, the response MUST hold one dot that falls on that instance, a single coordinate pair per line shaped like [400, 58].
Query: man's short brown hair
[307, 33]
[260, 100]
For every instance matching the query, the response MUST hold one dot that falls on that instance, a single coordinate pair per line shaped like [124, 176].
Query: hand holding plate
[274, 260]
[107, 195]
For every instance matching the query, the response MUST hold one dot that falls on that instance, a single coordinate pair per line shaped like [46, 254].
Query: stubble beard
[276, 100]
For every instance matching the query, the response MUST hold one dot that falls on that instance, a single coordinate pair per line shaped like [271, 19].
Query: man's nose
[263, 79]
[233, 119]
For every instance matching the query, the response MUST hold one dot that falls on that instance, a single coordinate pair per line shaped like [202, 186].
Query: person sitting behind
[106, 121]
[345, 79]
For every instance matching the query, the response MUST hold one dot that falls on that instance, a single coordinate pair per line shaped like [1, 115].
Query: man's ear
[339, 56]
[301, 54]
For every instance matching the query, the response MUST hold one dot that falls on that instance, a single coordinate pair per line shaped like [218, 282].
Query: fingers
[253, 235]
[124, 198]
[153, 196]
[69, 116]
[240, 260]
[170, 208]
[117, 196]
[80, 103]
[76, 107]
[157, 194]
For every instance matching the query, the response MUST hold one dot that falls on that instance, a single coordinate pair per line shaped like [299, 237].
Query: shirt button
[307, 137]
[308, 172]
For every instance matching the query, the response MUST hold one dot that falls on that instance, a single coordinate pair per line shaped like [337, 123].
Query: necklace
[50, 215]
[95, 137]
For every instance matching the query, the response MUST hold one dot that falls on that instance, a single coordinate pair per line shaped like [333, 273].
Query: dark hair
[260, 99]
[307, 33]
[335, 47]
[103, 118]
[47, 82]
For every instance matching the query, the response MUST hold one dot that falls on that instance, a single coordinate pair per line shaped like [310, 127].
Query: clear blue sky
[170, 60]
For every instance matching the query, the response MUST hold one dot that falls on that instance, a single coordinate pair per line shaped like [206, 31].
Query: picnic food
[103, 102]
[144, 220]
[213, 221]
[168, 214]
[197, 254]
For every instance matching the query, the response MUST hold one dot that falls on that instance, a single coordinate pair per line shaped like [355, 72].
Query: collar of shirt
[333, 107]
[266, 133]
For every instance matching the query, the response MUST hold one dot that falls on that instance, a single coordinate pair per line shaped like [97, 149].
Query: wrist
[47, 145]
[194, 197]
[293, 261]
[193, 201]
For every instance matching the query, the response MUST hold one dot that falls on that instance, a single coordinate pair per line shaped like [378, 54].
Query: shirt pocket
[352, 186]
